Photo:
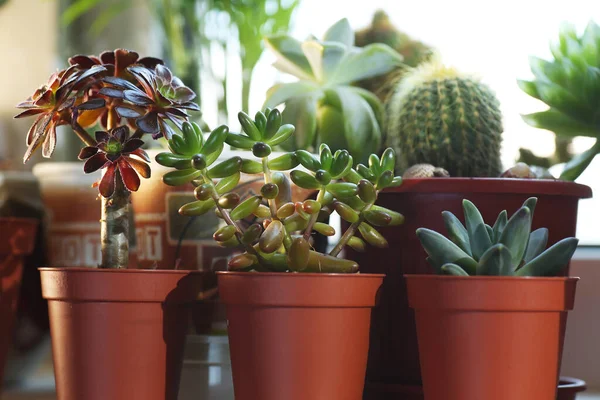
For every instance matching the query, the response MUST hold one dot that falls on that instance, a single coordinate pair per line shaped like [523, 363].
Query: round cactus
[439, 116]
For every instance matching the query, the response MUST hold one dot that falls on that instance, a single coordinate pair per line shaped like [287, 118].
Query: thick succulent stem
[268, 179]
[349, 232]
[83, 135]
[114, 232]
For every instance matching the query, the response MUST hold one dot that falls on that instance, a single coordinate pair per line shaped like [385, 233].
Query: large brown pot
[17, 239]
[118, 334]
[298, 336]
[393, 354]
[492, 338]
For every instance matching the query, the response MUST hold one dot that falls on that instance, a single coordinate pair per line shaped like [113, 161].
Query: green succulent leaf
[341, 32]
[497, 260]
[197, 208]
[228, 183]
[226, 168]
[171, 160]
[215, 140]
[284, 162]
[180, 177]
[282, 135]
[453, 269]
[388, 160]
[516, 234]
[342, 190]
[249, 126]
[531, 203]
[538, 240]
[370, 61]
[342, 164]
[372, 236]
[443, 251]
[240, 141]
[456, 231]
[500, 224]
[272, 124]
[284, 92]
[260, 120]
[308, 161]
[579, 163]
[490, 232]
[251, 167]
[561, 124]
[325, 157]
[192, 139]
[552, 261]
[304, 180]
[245, 208]
[478, 236]
[301, 112]
[290, 57]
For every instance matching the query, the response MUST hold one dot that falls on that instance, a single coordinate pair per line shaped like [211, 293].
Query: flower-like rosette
[114, 152]
[53, 104]
[160, 97]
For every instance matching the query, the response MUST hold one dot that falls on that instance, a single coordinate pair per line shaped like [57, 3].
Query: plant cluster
[507, 248]
[282, 242]
[570, 85]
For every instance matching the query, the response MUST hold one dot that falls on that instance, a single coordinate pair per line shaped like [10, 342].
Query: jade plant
[508, 248]
[569, 84]
[125, 98]
[323, 104]
[281, 241]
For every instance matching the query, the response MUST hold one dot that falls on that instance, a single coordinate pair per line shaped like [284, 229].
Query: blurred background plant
[569, 84]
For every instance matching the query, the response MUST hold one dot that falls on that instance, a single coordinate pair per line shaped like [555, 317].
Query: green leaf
[552, 261]
[308, 160]
[313, 51]
[283, 92]
[536, 245]
[340, 32]
[304, 180]
[227, 184]
[579, 163]
[77, 9]
[490, 232]
[362, 131]
[497, 260]
[529, 87]
[453, 269]
[284, 162]
[239, 141]
[342, 189]
[531, 203]
[478, 236]
[560, 123]
[333, 54]
[367, 62]
[197, 208]
[180, 177]
[443, 251]
[516, 234]
[456, 231]
[302, 113]
[290, 57]
[499, 225]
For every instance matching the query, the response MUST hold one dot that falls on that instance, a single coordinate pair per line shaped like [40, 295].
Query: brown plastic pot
[17, 239]
[393, 355]
[492, 338]
[298, 336]
[118, 334]
[569, 387]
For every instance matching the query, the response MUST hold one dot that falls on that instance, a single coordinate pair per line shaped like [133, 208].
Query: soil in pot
[17, 241]
[393, 354]
[118, 334]
[492, 338]
[298, 336]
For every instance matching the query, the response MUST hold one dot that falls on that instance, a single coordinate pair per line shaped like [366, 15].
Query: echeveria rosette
[160, 98]
[324, 105]
[53, 103]
[116, 63]
[508, 248]
[114, 152]
[570, 85]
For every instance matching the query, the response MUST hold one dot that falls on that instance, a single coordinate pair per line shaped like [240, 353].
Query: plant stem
[349, 232]
[114, 231]
[268, 179]
[314, 217]
[83, 135]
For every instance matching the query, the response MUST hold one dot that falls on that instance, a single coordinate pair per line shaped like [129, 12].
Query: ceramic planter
[17, 240]
[118, 334]
[393, 355]
[492, 338]
[569, 387]
[298, 336]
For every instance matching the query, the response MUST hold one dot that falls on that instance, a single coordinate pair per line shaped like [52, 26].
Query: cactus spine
[439, 116]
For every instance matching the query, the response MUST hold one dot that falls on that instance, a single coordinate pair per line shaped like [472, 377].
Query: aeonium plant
[281, 242]
[508, 248]
[124, 97]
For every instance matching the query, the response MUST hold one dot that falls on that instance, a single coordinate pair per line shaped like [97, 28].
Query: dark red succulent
[114, 152]
[161, 97]
[116, 63]
[53, 104]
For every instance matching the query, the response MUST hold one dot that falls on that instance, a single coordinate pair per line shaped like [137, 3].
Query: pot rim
[122, 270]
[19, 219]
[572, 384]
[301, 274]
[493, 185]
[492, 278]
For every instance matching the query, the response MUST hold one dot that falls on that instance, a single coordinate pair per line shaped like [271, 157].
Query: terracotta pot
[393, 355]
[298, 336]
[569, 387]
[16, 242]
[118, 334]
[492, 338]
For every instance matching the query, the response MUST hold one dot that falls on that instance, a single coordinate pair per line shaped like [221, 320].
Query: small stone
[425, 171]
[519, 170]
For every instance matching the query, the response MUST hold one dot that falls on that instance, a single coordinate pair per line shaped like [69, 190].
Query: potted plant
[17, 242]
[491, 322]
[298, 320]
[467, 147]
[117, 333]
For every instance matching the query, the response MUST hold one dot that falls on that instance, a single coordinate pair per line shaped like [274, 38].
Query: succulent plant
[507, 248]
[570, 86]
[323, 104]
[115, 90]
[440, 116]
[282, 242]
